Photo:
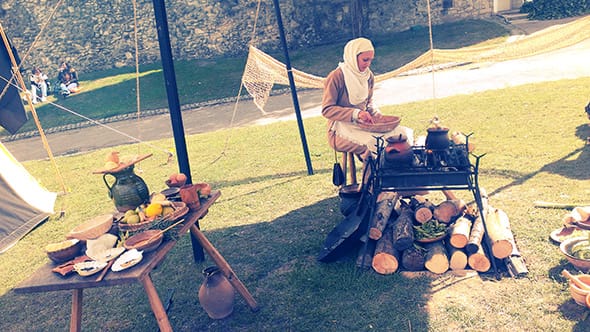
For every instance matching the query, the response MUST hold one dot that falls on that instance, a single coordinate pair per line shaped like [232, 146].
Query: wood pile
[416, 234]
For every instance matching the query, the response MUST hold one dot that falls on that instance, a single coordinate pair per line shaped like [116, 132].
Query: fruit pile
[158, 207]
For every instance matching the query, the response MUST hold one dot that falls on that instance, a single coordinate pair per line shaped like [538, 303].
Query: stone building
[97, 34]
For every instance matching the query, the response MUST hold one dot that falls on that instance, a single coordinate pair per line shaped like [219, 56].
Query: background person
[348, 100]
[38, 84]
[68, 79]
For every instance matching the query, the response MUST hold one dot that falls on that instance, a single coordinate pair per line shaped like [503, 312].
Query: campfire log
[500, 237]
[436, 259]
[445, 211]
[386, 258]
[413, 258]
[422, 208]
[457, 258]
[479, 261]
[384, 206]
[460, 232]
[403, 230]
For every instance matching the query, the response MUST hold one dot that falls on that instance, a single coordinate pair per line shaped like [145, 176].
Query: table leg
[76, 315]
[224, 266]
[198, 254]
[156, 304]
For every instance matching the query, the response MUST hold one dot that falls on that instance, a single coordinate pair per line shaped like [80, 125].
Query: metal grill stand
[446, 169]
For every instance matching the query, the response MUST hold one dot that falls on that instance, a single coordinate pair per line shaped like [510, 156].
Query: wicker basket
[93, 228]
[383, 124]
[142, 226]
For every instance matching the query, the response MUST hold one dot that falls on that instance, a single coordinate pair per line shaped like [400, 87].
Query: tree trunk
[457, 258]
[403, 230]
[460, 232]
[479, 261]
[386, 258]
[423, 212]
[413, 259]
[436, 259]
[385, 203]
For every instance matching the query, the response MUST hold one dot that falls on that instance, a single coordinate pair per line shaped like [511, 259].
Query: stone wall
[98, 34]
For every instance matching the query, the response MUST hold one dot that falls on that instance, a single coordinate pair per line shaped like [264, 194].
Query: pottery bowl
[63, 251]
[579, 295]
[145, 241]
[566, 249]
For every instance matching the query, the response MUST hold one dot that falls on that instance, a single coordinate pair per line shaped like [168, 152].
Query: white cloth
[357, 82]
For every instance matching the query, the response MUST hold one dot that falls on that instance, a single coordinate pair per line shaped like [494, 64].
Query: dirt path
[568, 63]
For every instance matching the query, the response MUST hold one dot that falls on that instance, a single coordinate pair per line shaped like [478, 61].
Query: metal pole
[293, 89]
[171, 88]
[174, 105]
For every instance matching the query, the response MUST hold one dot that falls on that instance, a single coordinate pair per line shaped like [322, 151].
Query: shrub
[555, 9]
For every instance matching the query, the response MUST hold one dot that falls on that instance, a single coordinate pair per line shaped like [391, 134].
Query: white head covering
[357, 82]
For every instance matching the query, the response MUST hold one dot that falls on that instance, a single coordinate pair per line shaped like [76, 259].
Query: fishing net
[262, 71]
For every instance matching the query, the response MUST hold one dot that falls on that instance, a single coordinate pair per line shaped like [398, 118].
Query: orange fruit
[153, 210]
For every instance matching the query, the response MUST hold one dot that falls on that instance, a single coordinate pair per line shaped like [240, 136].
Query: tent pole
[293, 89]
[174, 105]
[171, 88]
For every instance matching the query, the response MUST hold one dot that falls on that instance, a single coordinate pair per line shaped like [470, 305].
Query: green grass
[272, 218]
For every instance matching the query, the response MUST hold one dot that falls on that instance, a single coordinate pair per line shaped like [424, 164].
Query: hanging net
[262, 71]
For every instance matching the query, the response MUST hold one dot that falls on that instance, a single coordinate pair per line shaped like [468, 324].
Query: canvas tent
[24, 204]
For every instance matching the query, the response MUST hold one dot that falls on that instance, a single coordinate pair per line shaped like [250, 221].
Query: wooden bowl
[384, 124]
[63, 251]
[566, 249]
[93, 228]
[138, 241]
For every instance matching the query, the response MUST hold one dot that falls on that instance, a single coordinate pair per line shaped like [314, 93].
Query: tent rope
[21, 82]
[235, 109]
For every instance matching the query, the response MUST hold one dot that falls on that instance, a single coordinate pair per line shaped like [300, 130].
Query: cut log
[384, 206]
[457, 258]
[445, 211]
[403, 230]
[515, 264]
[460, 232]
[475, 236]
[413, 258]
[423, 211]
[365, 255]
[386, 258]
[436, 259]
[499, 234]
[479, 261]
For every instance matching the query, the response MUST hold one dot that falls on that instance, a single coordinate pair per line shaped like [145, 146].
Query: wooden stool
[348, 159]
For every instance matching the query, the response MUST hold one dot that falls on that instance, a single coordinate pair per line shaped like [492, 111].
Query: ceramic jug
[128, 191]
[216, 294]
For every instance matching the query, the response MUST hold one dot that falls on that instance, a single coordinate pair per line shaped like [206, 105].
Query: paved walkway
[566, 63]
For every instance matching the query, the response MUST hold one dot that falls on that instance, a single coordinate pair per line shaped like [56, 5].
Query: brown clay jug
[398, 150]
[216, 294]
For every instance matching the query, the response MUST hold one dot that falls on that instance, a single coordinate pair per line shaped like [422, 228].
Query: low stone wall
[96, 34]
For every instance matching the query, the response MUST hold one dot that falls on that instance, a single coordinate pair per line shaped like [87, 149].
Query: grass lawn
[272, 218]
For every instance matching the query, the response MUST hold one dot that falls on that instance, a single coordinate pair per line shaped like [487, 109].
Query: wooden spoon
[582, 285]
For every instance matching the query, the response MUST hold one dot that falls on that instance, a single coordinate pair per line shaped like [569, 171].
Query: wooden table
[44, 280]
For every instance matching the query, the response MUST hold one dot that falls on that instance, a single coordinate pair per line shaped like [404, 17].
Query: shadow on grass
[275, 260]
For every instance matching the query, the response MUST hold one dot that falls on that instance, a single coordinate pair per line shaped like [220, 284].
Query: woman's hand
[365, 117]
